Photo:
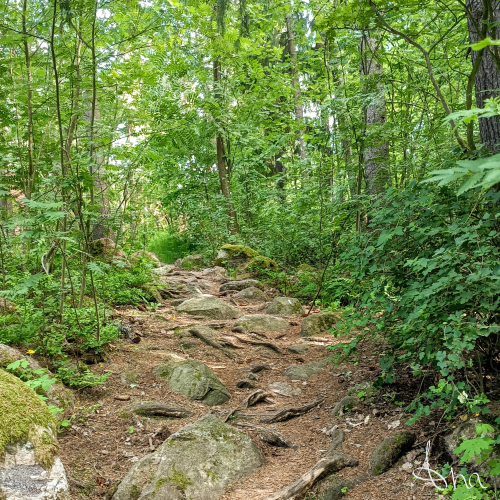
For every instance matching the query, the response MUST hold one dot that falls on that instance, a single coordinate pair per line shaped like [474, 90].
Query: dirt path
[104, 440]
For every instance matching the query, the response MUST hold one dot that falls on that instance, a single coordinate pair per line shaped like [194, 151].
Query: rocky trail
[223, 348]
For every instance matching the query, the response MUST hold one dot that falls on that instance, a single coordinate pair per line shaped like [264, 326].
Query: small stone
[298, 349]
[122, 397]
[104, 452]
[253, 376]
[244, 384]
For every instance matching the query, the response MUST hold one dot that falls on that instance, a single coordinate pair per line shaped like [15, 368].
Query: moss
[211, 475]
[134, 492]
[262, 262]
[177, 477]
[24, 416]
[235, 250]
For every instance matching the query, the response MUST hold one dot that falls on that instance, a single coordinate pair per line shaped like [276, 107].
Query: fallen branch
[246, 340]
[290, 412]
[228, 341]
[269, 436]
[326, 465]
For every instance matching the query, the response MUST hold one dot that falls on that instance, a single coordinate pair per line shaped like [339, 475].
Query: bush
[170, 246]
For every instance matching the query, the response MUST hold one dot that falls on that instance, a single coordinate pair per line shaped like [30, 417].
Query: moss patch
[23, 416]
[261, 262]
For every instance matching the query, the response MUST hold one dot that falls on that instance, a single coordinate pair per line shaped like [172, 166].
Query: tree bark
[376, 152]
[299, 108]
[481, 14]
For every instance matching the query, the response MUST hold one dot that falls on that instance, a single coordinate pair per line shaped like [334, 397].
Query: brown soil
[103, 441]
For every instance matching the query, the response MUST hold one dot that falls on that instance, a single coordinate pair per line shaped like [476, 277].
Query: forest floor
[103, 441]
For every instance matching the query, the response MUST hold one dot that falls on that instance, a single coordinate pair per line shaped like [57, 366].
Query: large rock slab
[239, 285]
[389, 451]
[262, 322]
[209, 307]
[195, 380]
[198, 462]
[250, 295]
[285, 306]
[29, 466]
[303, 372]
[318, 324]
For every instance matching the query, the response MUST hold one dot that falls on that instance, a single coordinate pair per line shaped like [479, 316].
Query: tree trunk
[376, 152]
[488, 76]
[221, 156]
[299, 109]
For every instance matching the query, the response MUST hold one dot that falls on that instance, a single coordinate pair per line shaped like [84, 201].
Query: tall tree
[376, 149]
[483, 21]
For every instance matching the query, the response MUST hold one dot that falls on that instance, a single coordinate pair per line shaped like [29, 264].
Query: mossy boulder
[209, 306]
[195, 380]
[192, 262]
[305, 268]
[234, 255]
[149, 257]
[199, 462]
[57, 395]
[260, 263]
[389, 451]
[285, 306]
[262, 323]
[318, 324]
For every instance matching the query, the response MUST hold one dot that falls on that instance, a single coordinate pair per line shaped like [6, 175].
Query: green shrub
[170, 246]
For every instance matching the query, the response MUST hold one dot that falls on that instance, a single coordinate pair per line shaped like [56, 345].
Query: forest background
[305, 130]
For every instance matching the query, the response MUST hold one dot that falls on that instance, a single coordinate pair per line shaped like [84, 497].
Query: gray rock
[244, 384]
[251, 294]
[285, 306]
[298, 349]
[198, 462]
[262, 322]
[189, 343]
[346, 403]
[318, 324]
[195, 380]
[184, 332]
[128, 378]
[284, 389]
[253, 376]
[192, 262]
[209, 307]
[303, 372]
[389, 451]
[240, 285]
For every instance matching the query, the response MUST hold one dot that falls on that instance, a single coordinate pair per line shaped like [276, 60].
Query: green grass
[170, 246]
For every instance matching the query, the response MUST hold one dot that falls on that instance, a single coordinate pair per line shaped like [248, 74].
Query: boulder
[192, 261]
[210, 307]
[317, 324]
[285, 306]
[234, 255]
[239, 285]
[303, 372]
[260, 263]
[389, 451]
[261, 322]
[195, 380]
[107, 249]
[298, 349]
[57, 395]
[249, 295]
[149, 257]
[6, 306]
[198, 462]
[29, 466]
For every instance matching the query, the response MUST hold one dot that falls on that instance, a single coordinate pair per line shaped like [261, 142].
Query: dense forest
[343, 154]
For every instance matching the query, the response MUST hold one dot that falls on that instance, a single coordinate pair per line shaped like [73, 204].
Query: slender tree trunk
[299, 108]
[221, 155]
[482, 14]
[29, 98]
[376, 150]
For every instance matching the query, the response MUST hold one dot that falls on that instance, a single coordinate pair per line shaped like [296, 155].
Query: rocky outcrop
[198, 462]
[29, 466]
[285, 306]
[318, 324]
[210, 307]
[261, 322]
[195, 380]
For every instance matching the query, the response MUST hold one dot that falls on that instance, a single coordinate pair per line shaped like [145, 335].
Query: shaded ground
[104, 440]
